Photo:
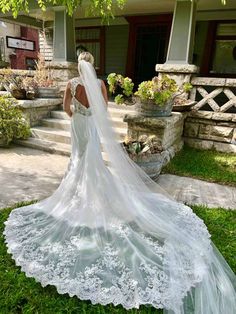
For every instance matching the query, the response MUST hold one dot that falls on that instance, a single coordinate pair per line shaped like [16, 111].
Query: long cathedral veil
[190, 258]
[111, 235]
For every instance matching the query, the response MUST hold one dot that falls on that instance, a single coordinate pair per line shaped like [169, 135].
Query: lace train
[107, 234]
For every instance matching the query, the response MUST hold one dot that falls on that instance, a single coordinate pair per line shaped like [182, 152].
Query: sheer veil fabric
[110, 234]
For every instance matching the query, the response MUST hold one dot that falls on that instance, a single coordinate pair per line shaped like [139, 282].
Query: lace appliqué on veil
[58, 263]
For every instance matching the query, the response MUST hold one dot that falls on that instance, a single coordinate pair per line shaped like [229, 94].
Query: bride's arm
[104, 92]
[67, 100]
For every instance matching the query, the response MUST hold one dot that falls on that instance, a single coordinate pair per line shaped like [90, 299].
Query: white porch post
[64, 36]
[64, 63]
[180, 49]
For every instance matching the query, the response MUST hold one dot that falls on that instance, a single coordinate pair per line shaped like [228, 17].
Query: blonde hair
[86, 56]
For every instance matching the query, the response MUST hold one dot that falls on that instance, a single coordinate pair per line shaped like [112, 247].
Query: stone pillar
[64, 64]
[179, 56]
[181, 42]
[64, 37]
[166, 132]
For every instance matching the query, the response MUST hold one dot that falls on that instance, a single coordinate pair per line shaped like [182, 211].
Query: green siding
[116, 48]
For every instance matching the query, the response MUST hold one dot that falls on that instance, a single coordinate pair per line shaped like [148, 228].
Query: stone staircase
[53, 135]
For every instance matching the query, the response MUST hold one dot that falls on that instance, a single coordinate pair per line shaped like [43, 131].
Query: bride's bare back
[80, 95]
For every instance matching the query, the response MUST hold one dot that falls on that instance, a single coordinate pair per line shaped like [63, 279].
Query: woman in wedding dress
[109, 234]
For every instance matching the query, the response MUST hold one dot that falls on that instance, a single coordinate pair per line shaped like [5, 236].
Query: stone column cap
[177, 68]
[62, 64]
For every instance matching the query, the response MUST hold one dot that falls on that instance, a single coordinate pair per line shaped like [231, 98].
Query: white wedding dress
[109, 234]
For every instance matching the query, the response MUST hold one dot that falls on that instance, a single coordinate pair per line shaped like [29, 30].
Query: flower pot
[48, 92]
[184, 106]
[30, 94]
[149, 108]
[150, 163]
[18, 93]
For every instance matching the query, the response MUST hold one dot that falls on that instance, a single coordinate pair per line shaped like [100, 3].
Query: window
[30, 63]
[224, 58]
[92, 39]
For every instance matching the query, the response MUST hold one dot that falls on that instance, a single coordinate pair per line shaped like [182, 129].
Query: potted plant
[31, 87]
[182, 104]
[44, 80]
[153, 98]
[19, 86]
[122, 88]
[13, 125]
[13, 83]
[147, 153]
[156, 97]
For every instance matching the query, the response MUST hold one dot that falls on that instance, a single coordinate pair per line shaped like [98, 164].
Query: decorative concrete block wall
[211, 130]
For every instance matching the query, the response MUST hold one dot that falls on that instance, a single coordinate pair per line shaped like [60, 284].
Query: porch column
[64, 63]
[181, 42]
[64, 37]
[180, 50]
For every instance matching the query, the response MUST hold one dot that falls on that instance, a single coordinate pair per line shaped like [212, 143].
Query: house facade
[143, 34]
[13, 34]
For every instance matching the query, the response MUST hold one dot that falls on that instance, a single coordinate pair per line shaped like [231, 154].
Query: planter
[184, 107]
[48, 92]
[30, 94]
[18, 93]
[150, 163]
[148, 108]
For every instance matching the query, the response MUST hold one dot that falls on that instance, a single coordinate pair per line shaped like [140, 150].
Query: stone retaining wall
[38, 109]
[211, 130]
[168, 136]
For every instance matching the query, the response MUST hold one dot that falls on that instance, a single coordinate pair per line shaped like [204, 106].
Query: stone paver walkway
[28, 174]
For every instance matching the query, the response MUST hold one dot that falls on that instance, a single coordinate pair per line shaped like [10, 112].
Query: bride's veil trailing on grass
[109, 234]
[190, 259]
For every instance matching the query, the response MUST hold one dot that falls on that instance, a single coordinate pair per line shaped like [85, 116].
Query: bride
[109, 233]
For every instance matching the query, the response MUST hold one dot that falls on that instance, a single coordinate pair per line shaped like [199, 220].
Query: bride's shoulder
[75, 79]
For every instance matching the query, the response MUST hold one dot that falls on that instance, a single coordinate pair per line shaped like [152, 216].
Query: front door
[148, 42]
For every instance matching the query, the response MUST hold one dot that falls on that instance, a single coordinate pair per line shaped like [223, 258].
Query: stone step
[51, 147]
[51, 134]
[63, 136]
[114, 113]
[61, 124]
[59, 114]
[64, 123]
[47, 146]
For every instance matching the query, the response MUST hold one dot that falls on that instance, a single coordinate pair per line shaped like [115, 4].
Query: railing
[214, 94]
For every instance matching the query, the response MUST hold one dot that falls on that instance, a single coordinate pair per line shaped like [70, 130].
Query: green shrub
[13, 124]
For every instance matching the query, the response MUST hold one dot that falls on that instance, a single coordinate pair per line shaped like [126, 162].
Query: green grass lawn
[20, 294]
[207, 165]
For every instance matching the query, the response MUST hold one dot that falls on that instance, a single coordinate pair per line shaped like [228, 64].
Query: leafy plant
[125, 84]
[103, 8]
[160, 90]
[12, 122]
[144, 145]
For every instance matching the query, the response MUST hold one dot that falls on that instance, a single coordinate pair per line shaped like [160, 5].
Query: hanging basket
[149, 108]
